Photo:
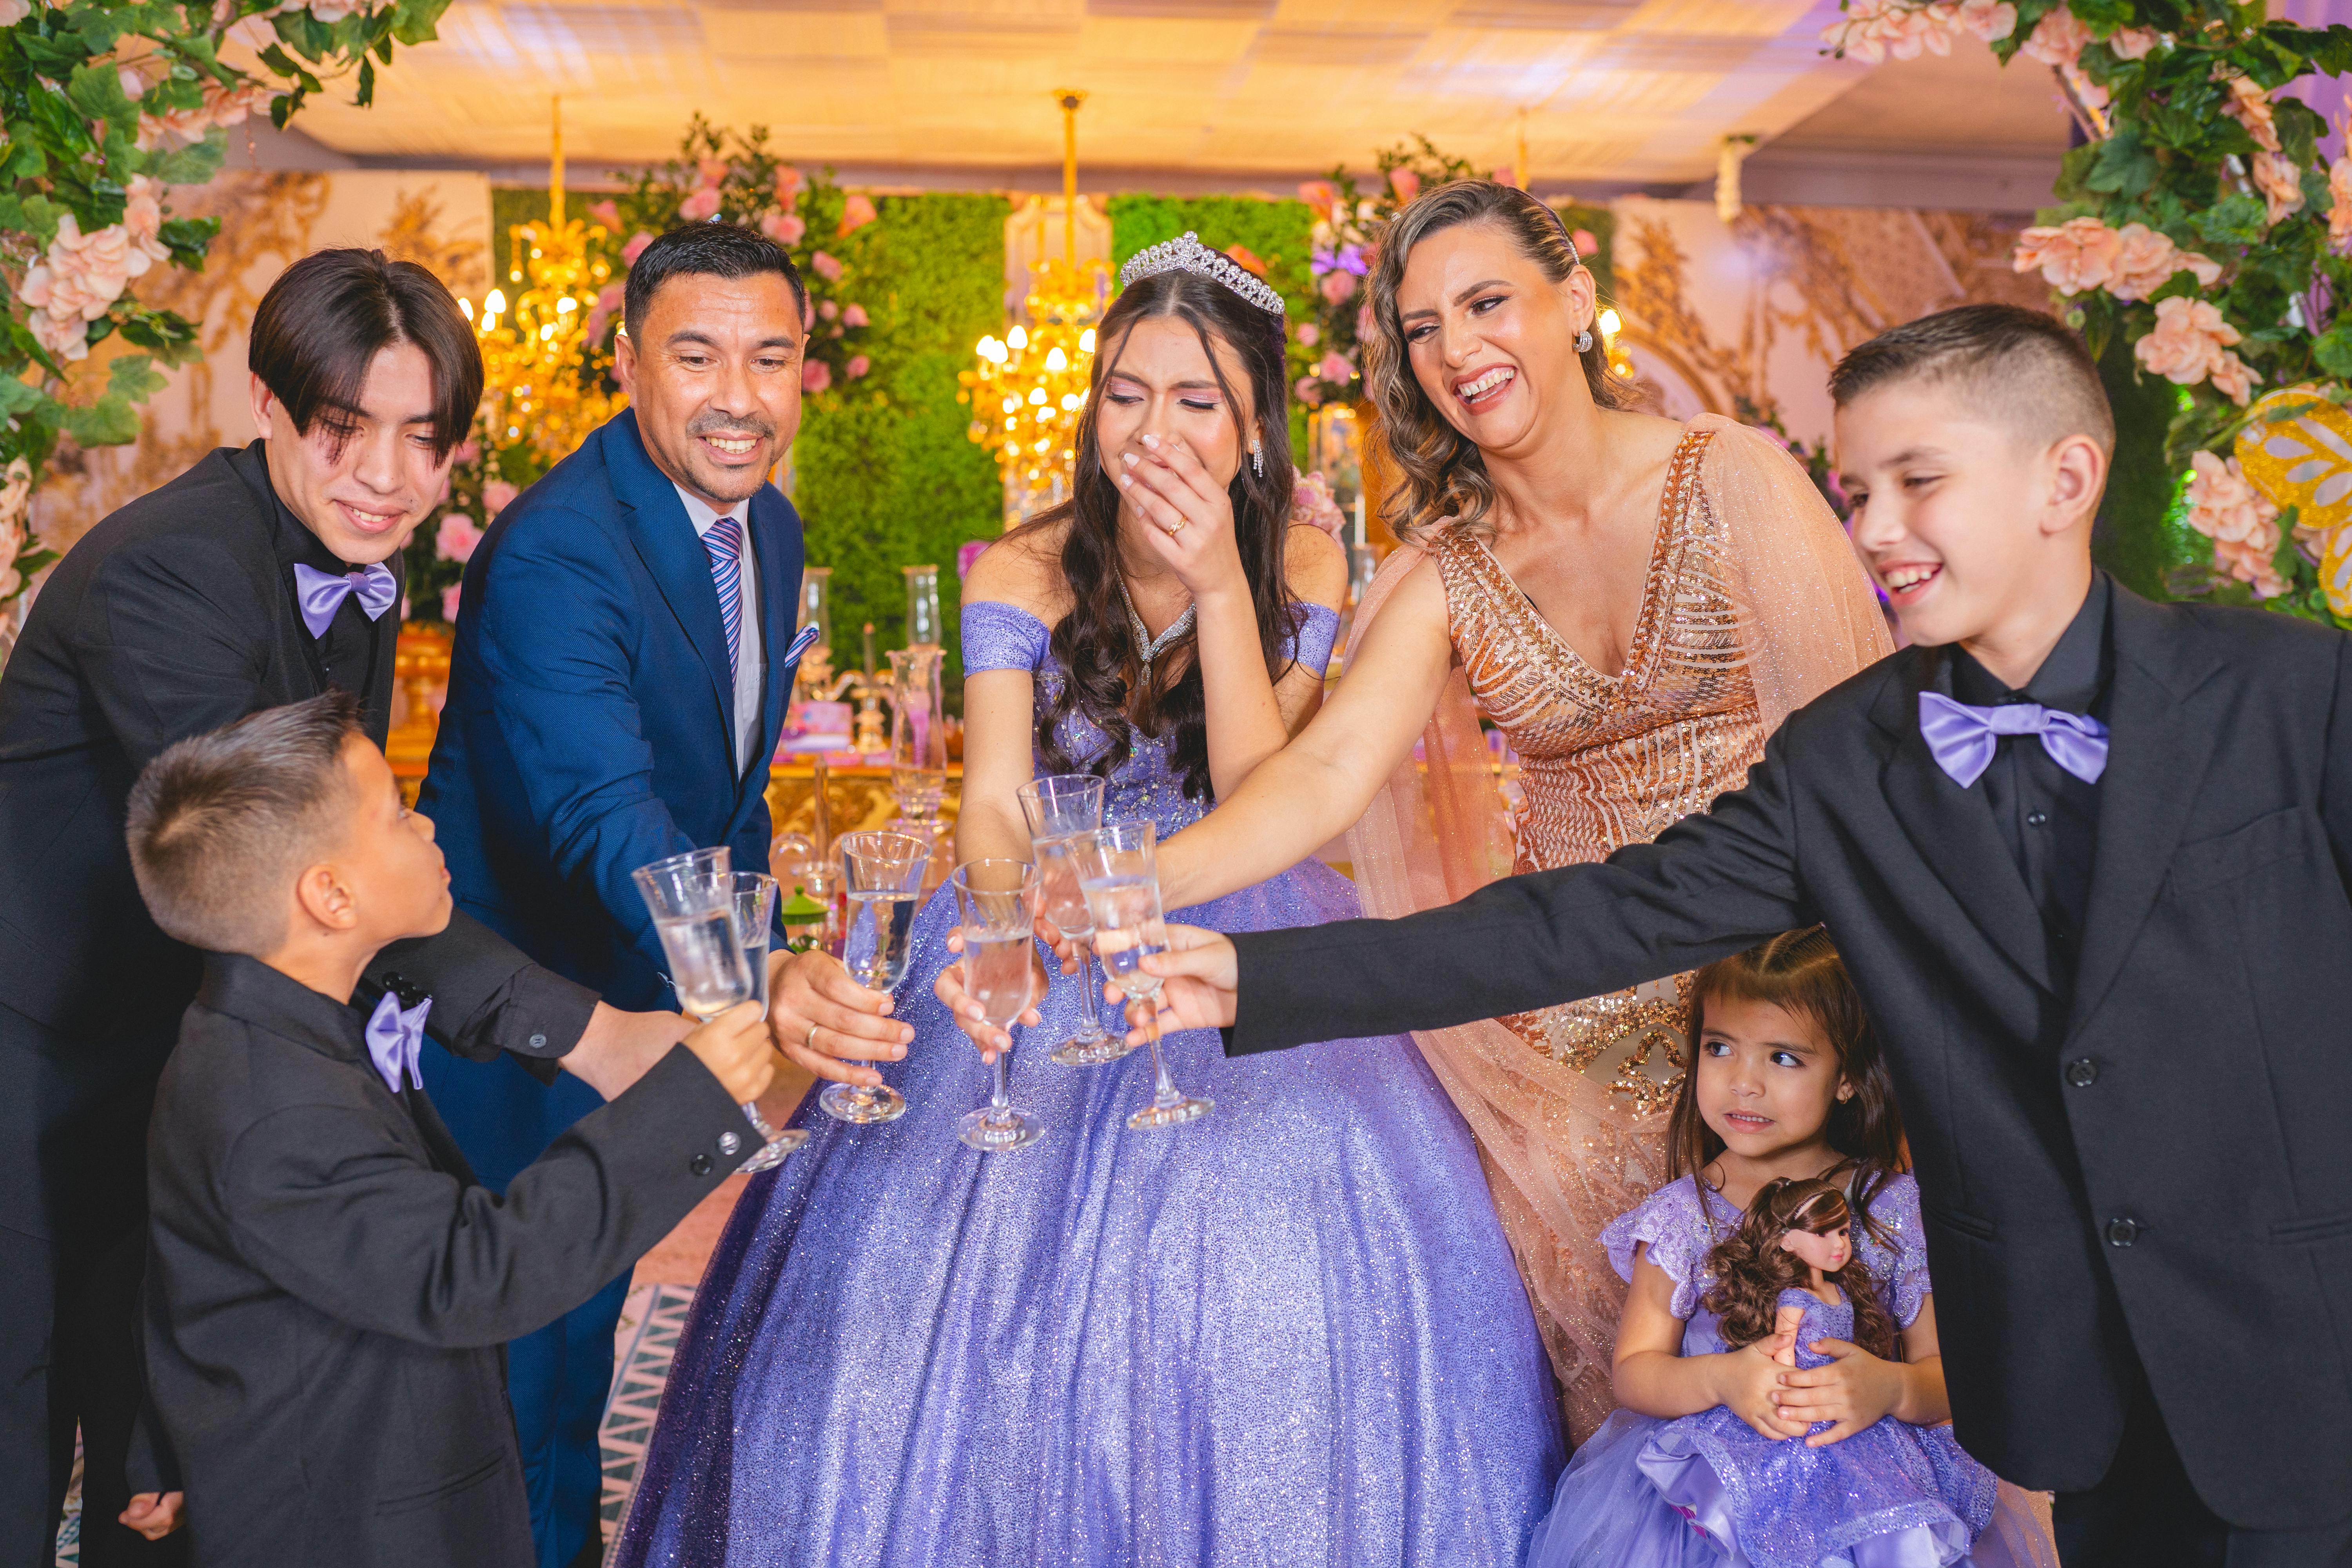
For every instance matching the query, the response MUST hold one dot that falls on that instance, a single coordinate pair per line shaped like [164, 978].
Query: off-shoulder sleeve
[999, 637]
[1317, 633]
[1668, 1223]
[1903, 1266]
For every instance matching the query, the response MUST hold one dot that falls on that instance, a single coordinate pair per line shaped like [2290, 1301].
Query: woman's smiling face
[1491, 339]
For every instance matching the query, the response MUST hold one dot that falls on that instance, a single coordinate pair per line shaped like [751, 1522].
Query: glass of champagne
[692, 900]
[996, 902]
[1119, 874]
[1061, 809]
[755, 923]
[882, 873]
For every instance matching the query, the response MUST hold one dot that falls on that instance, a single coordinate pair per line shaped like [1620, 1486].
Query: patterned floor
[651, 1321]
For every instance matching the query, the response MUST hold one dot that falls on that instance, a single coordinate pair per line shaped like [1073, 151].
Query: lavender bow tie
[394, 1039]
[1963, 739]
[321, 594]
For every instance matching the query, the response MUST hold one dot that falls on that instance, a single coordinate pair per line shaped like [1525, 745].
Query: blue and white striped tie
[725, 543]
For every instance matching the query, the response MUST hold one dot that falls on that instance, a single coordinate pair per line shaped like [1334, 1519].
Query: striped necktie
[724, 541]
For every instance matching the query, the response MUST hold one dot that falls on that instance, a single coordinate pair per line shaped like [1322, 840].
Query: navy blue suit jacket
[590, 724]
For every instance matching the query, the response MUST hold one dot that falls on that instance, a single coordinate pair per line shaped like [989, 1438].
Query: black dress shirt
[346, 655]
[2047, 817]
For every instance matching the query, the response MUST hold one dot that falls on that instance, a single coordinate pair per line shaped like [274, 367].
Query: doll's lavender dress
[1709, 1490]
[1291, 1332]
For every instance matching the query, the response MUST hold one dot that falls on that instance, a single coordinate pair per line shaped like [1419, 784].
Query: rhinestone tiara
[1189, 255]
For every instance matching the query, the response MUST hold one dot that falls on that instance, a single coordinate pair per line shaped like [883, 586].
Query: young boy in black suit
[2087, 859]
[328, 1288]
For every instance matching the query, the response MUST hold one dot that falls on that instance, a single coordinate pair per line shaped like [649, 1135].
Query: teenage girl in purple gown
[1783, 1393]
[1289, 1332]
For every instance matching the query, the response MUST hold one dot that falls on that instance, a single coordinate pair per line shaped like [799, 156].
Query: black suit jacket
[329, 1290]
[172, 616]
[2153, 1157]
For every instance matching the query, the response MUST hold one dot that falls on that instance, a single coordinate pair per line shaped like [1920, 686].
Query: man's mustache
[731, 426]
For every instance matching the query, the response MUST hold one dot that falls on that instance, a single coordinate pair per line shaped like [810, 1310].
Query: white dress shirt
[750, 668]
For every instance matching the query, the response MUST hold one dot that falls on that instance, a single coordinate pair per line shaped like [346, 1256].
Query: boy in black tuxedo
[2087, 857]
[327, 1288]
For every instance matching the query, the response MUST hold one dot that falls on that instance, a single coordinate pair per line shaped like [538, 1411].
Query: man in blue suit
[625, 653]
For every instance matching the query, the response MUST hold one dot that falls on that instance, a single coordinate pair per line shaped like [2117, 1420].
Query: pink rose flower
[788, 184]
[1988, 19]
[701, 204]
[2281, 182]
[143, 216]
[1311, 502]
[496, 496]
[2190, 343]
[856, 212]
[456, 538]
[1319, 195]
[449, 597]
[2240, 520]
[826, 267]
[333, 11]
[2250, 106]
[714, 171]
[1308, 391]
[1309, 334]
[1335, 367]
[468, 453]
[635, 247]
[1338, 286]
[2131, 43]
[2076, 255]
[858, 365]
[2339, 205]
[1584, 242]
[784, 229]
[2057, 39]
[607, 212]
[2232, 378]
[815, 376]
[1405, 184]
[967, 553]
[855, 316]
[2145, 261]
[828, 309]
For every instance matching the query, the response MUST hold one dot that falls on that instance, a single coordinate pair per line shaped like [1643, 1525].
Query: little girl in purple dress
[1783, 1395]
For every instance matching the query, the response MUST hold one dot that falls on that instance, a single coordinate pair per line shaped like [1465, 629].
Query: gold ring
[1176, 527]
[810, 1044]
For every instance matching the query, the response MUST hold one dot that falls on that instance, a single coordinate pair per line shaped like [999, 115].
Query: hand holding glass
[882, 873]
[1120, 876]
[996, 902]
[1061, 808]
[691, 897]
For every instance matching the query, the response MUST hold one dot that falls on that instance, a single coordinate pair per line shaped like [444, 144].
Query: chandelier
[538, 388]
[1030, 387]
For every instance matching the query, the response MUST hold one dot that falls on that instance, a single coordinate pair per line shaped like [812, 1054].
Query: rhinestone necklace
[1151, 647]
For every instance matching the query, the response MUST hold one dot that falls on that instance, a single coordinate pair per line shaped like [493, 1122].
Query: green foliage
[884, 473]
[1274, 235]
[104, 107]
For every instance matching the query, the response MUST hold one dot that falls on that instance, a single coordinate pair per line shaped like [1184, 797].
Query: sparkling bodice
[1607, 761]
[1148, 783]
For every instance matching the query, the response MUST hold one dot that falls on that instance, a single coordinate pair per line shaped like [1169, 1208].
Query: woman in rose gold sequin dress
[1635, 603]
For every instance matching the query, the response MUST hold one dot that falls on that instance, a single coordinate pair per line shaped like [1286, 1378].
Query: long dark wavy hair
[1799, 972]
[1751, 1267]
[1094, 642]
[1446, 480]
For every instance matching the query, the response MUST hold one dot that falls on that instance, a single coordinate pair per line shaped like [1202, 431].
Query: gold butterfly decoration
[2297, 451]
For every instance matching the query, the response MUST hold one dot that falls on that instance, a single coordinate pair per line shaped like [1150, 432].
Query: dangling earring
[1584, 340]
[1257, 458]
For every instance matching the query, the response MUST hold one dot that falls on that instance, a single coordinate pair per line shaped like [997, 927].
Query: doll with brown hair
[1780, 1387]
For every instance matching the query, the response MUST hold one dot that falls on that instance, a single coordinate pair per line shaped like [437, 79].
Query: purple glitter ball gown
[1710, 1491]
[1289, 1333]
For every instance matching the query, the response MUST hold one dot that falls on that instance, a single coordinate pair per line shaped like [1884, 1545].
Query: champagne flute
[1120, 876]
[755, 895]
[1060, 809]
[691, 897]
[883, 875]
[996, 902]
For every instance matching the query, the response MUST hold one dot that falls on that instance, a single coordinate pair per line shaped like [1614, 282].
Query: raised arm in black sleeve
[1712, 884]
[487, 995]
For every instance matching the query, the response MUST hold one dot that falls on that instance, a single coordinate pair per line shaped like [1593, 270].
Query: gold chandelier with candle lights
[537, 389]
[1031, 385]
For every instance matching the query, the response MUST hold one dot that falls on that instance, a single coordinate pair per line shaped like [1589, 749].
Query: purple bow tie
[321, 594]
[394, 1039]
[1963, 739]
